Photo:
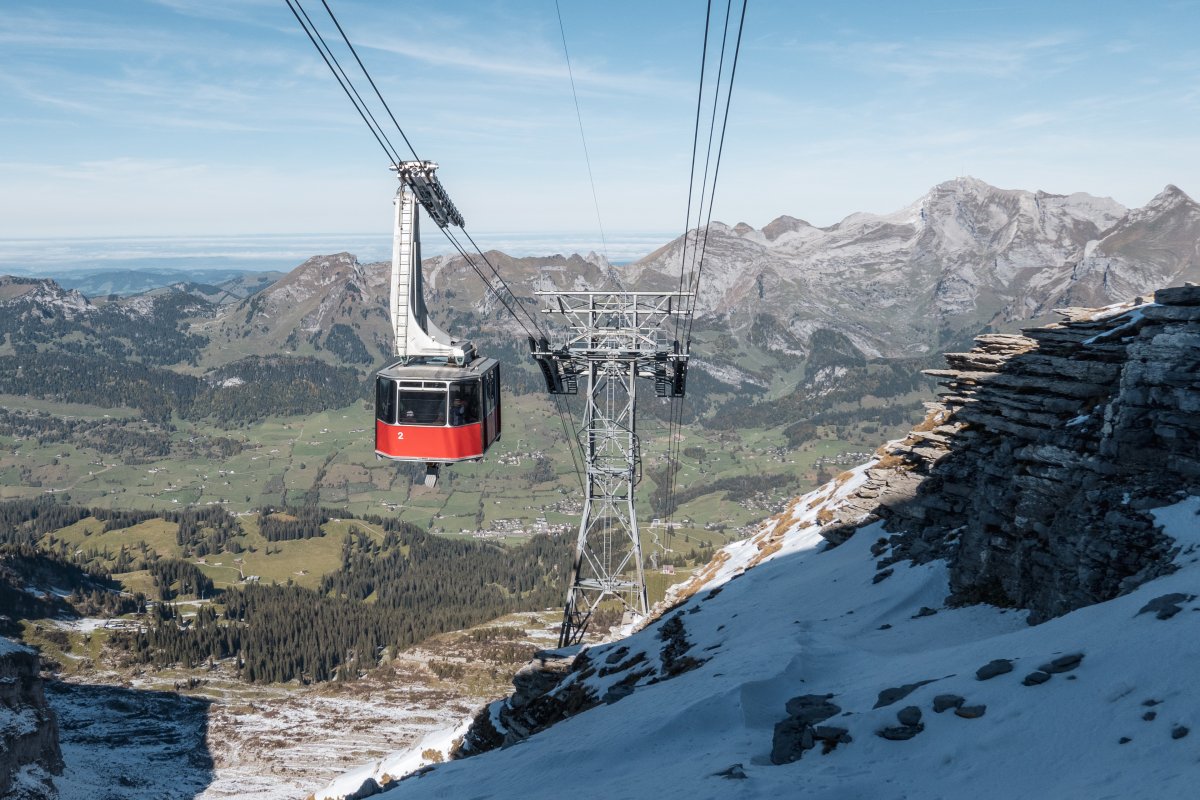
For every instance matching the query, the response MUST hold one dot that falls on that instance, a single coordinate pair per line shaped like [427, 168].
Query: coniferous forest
[387, 593]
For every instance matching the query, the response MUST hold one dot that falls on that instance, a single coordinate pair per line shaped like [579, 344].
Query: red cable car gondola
[440, 401]
[430, 412]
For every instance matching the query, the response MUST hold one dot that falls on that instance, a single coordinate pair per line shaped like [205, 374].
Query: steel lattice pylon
[615, 338]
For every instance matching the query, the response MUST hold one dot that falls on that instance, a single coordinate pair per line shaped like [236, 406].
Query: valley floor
[135, 737]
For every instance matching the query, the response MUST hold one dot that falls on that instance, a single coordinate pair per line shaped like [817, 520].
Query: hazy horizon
[282, 251]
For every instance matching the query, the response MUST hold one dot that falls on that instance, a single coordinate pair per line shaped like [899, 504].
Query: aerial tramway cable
[720, 150]
[579, 116]
[370, 80]
[313, 36]
[694, 277]
[676, 416]
[390, 151]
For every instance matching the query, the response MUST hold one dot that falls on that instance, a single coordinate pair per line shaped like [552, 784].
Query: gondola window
[421, 407]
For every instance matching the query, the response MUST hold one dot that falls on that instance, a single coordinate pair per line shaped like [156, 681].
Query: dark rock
[1035, 678]
[1178, 296]
[537, 702]
[791, 738]
[945, 701]
[1151, 702]
[830, 737]
[734, 772]
[796, 734]
[909, 715]
[618, 691]
[810, 709]
[617, 655]
[900, 733]
[624, 666]
[1124, 740]
[832, 733]
[885, 627]
[1063, 663]
[991, 669]
[1047, 452]
[674, 654]
[1149, 716]
[970, 712]
[1167, 605]
[1178, 732]
[889, 696]
[882, 575]
[925, 611]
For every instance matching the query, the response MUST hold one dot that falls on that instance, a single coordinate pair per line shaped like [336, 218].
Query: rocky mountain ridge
[964, 256]
[41, 297]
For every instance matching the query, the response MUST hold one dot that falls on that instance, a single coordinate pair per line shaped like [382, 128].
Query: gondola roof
[437, 372]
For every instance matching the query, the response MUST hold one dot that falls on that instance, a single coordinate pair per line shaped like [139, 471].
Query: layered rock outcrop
[1037, 468]
[29, 750]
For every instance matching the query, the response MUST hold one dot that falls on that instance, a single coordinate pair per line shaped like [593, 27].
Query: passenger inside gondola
[421, 408]
[464, 406]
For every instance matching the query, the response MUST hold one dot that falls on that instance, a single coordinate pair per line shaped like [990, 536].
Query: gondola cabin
[437, 413]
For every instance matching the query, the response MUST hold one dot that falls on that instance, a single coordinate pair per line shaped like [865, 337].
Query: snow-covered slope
[811, 621]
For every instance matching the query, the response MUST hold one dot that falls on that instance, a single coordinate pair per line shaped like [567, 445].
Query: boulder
[1035, 678]
[946, 701]
[889, 696]
[1167, 605]
[900, 733]
[999, 666]
[1063, 663]
[970, 712]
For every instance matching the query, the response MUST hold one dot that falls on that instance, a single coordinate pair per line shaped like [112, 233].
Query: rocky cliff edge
[29, 751]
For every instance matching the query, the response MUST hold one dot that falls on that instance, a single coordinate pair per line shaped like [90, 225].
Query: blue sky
[216, 117]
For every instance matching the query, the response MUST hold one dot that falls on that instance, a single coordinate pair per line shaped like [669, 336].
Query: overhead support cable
[701, 245]
[583, 138]
[675, 420]
[708, 149]
[512, 302]
[558, 401]
[343, 79]
[720, 151]
[351, 93]
[370, 80]
[687, 220]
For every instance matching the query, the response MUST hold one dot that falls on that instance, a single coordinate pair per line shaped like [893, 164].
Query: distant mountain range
[964, 258]
[214, 282]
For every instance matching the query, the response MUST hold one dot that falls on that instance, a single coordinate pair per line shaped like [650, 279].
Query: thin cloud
[926, 61]
[25, 90]
[538, 67]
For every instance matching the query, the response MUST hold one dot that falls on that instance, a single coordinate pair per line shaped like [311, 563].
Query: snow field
[808, 621]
